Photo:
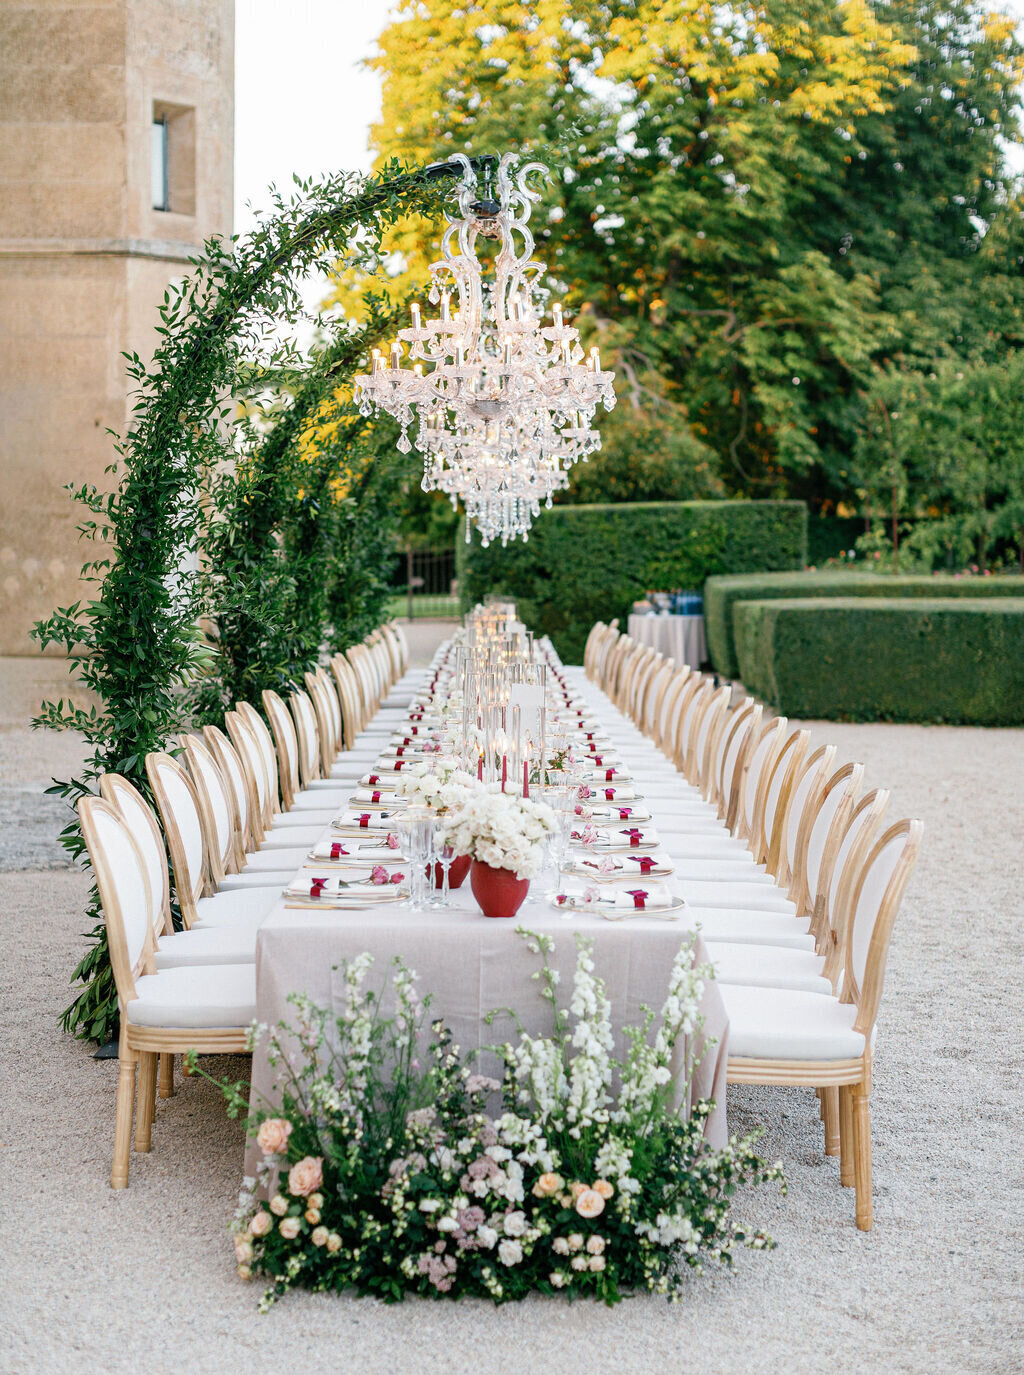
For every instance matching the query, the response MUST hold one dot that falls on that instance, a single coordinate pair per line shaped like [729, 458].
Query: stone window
[173, 158]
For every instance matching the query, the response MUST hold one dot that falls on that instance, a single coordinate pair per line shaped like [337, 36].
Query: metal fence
[429, 588]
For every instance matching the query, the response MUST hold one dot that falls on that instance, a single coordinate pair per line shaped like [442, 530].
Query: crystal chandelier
[501, 402]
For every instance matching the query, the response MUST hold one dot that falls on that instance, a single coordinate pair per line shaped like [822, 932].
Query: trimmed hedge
[891, 659]
[587, 563]
[721, 594]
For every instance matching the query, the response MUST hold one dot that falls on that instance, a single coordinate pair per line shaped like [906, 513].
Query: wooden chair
[782, 1037]
[205, 1008]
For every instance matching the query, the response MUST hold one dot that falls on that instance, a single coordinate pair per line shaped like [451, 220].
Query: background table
[679, 638]
[473, 964]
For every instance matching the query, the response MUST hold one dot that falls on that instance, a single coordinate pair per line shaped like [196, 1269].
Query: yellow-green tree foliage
[754, 208]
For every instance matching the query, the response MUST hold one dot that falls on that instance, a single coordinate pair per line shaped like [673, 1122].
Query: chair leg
[862, 1156]
[846, 1145]
[166, 1076]
[123, 1119]
[146, 1100]
[830, 1116]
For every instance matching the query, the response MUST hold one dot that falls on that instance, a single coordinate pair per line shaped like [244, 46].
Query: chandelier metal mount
[499, 403]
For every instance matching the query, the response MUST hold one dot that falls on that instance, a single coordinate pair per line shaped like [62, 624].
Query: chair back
[215, 810]
[865, 822]
[874, 903]
[742, 736]
[807, 792]
[283, 730]
[141, 820]
[757, 770]
[589, 648]
[771, 823]
[350, 698]
[324, 720]
[183, 826]
[705, 737]
[268, 754]
[832, 816]
[238, 786]
[665, 719]
[251, 759]
[308, 736]
[125, 896]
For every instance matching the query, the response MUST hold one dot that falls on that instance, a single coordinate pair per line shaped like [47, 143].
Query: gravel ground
[144, 1279]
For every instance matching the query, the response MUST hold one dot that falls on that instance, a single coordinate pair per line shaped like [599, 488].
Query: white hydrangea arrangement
[439, 783]
[501, 829]
[392, 1169]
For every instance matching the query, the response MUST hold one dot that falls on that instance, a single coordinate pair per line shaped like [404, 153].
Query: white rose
[510, 1252]
[515, 1224]
[487, 1236]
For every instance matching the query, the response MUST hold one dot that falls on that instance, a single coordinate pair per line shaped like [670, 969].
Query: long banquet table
[472, 965]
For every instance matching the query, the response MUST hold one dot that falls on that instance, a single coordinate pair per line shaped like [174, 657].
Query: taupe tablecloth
[679, 638]
[473, 964]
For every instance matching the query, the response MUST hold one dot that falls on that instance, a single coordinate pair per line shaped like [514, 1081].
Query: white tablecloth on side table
[679, 638]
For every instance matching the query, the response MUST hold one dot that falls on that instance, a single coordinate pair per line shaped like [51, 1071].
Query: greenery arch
[228, 557]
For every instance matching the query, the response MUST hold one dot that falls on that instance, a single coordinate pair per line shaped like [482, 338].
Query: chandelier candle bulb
[556, 312]
[446, 313]
[396, 354]
[376, 362]
[415, 315]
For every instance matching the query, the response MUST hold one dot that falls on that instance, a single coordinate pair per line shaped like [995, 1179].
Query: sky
[302, 101]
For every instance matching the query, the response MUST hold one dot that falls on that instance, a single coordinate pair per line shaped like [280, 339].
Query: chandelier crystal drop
[499, 403]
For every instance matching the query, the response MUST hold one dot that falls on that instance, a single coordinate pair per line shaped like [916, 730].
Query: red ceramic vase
[457, 871]
[498, 891]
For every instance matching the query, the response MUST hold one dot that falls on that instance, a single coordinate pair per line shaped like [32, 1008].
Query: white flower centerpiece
[442, 786]
[505, 836]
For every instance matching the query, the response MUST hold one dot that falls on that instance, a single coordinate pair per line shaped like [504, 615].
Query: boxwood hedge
[893, 659]
[722, 593]
[587, 563]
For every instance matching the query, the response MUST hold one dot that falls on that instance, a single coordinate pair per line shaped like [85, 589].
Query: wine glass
[414, 827]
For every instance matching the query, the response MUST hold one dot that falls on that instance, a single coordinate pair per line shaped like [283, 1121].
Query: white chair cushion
[275, 879]
[761, 897]
[245, 907]
[316, 799]
[215, 995]
[259, 861]
[768, 966]
[751, 928]
[785, 1024]
[306, 821]
[291, 837]
[719, 871]
[207, 945]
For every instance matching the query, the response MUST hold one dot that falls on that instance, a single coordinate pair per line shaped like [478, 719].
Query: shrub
[721, 594]
[588, 563]
[891, 659]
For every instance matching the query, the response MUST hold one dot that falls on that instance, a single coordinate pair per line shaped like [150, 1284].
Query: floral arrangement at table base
[385, 1170]
[504, 834]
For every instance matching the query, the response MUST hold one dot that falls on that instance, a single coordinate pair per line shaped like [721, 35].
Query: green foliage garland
[139, 646]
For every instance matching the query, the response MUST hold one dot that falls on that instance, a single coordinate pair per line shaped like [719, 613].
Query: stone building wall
[84, 256]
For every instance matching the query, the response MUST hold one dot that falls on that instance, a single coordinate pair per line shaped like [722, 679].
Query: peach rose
[576, 1188]
[307, 1176]
[319, 1237]
[272, 1137]
[289, 1228]
[243, 1250]
[589, 1203]
[575, 1240]
[315, 1200]
[333, 1242]
[595, 1245]
[244, 1272]
[602, 1187]
[312, 1216]
[261, 1224]
[279, 1205]
[548, 1184]
[597, 1262]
